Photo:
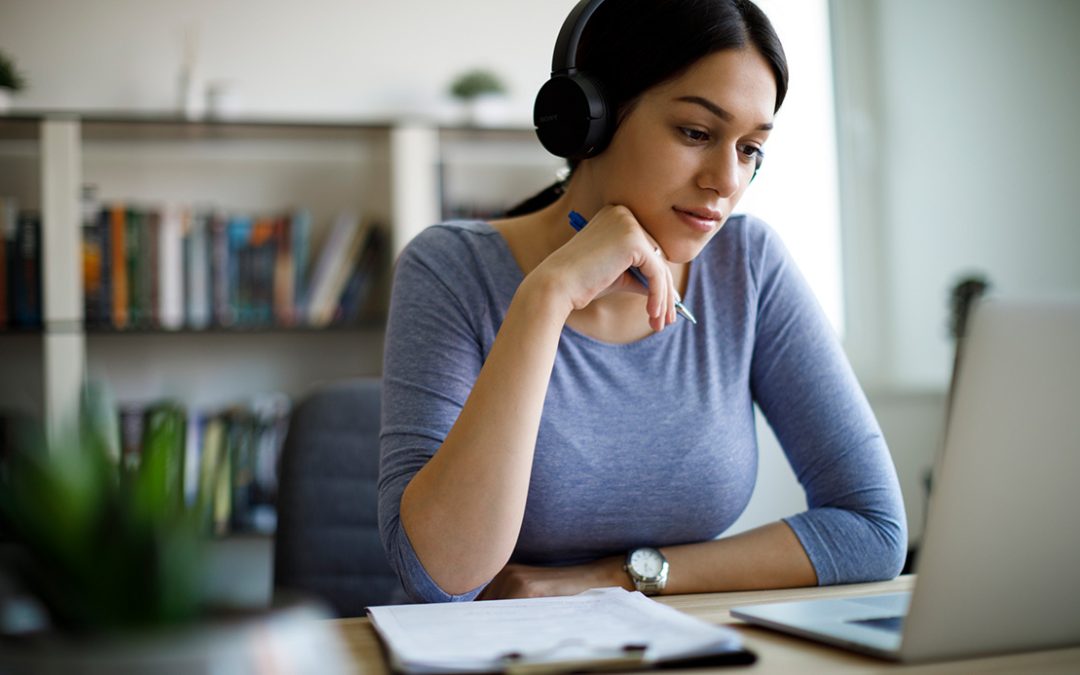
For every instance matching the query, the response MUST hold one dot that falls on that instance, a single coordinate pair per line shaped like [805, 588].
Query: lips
[702, 214]
[702, 219]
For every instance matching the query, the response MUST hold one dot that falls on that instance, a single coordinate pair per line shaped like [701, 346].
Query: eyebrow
[717, 110]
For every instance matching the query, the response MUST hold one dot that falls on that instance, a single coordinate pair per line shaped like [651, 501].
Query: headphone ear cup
[571, 117]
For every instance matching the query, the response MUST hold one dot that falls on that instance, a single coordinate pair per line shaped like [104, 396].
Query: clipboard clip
[574, 656]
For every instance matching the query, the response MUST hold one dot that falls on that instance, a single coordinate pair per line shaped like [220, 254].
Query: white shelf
[395, 174]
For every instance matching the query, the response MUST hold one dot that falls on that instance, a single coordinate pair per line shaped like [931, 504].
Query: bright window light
[796, 191]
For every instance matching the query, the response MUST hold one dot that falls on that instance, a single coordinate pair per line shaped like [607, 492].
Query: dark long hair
[630, 46]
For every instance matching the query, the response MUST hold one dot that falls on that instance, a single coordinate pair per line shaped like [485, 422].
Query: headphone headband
[564, 61]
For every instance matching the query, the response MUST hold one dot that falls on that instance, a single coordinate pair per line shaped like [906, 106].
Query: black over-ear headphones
[571, 116]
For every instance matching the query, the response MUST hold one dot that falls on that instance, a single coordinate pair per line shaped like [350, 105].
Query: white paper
[597, 624]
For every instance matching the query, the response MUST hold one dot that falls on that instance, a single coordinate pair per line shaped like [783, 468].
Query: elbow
[414, 577]
[853, 546]
[888, 546]
[894, 554]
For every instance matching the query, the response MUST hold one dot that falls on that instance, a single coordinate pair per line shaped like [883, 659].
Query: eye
[752, 153]
[694, 135]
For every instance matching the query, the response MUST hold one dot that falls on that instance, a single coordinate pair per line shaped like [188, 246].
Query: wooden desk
[779, 653]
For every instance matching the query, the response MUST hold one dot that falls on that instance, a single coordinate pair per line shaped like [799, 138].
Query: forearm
[462, 512]
[765, 557]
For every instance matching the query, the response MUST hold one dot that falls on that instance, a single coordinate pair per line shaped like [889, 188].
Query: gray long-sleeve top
[653, 442]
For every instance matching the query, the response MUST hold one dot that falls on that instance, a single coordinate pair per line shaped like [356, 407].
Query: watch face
[646, 562]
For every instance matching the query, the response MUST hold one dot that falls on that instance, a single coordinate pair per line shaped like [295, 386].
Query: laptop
[999, 569]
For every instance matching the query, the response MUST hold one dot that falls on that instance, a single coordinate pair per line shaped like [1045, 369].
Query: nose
[721, 172]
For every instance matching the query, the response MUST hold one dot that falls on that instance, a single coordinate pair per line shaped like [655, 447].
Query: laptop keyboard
[892, 624]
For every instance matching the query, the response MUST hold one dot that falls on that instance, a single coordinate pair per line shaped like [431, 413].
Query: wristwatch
[648, 569]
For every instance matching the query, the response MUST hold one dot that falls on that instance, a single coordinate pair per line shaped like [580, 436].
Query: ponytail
[545, 197]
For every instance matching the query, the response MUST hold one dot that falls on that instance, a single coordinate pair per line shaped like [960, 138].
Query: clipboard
[601, 629]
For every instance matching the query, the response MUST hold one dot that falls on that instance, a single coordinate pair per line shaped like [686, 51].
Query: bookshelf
[402, 174]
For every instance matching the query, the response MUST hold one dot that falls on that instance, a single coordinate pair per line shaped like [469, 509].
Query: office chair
[327, 543]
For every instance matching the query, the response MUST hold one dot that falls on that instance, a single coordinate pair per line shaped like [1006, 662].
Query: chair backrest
[327, 542]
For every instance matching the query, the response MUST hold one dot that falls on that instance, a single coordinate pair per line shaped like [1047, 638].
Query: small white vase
[5, 100]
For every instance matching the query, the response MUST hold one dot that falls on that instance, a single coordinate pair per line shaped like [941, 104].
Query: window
[796, 192]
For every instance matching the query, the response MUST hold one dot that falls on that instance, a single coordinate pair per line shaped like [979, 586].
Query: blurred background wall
[319, 58]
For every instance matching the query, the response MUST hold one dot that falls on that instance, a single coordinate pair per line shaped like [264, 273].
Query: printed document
[594, 629]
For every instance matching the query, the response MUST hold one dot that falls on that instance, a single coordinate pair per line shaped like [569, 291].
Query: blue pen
[577, 221]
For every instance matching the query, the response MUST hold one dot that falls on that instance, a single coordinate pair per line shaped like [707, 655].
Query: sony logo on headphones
[544, 119]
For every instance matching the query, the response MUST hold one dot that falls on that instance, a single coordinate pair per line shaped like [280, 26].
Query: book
[3, 278]
[93, 265]
[324, 287]
[263, 258]
[171, 267]
[26, 271]
[221, 310]
[170, 285]
[197, 273]
[8, 209]
[271, 415]
[241, 452]
[143, 266]
[94, 233]
[193, 440]
[223, 463]
[131, 436]
[118, 264]
[213, 492]
[366, 270]
[600, 629]
[240, 269]
[300, 239]
[330, 311]
[133, 246]
[149, 267]
[331, 274]
[222, 488]
[284, 273]
[105, 298]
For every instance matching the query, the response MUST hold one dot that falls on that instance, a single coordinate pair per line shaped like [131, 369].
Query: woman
[549, 425]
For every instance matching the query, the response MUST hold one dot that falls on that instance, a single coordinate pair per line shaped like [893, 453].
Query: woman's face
[684, 155]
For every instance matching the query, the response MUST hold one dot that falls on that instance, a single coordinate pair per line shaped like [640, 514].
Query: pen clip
[543, 661]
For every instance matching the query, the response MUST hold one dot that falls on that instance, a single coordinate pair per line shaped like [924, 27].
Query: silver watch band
[650, 587]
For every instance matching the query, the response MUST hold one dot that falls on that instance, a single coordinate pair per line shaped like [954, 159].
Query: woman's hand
[595, 261]
[526, 581]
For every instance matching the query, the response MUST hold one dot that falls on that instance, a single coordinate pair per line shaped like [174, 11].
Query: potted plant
[483, 95]
[11, 81]
[114, 562]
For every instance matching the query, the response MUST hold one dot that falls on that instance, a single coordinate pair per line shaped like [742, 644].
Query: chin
[684, 253]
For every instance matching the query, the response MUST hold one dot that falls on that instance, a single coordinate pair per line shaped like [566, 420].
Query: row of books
[172, 268]
[223, 462]
[186, 267]
[20, 267]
